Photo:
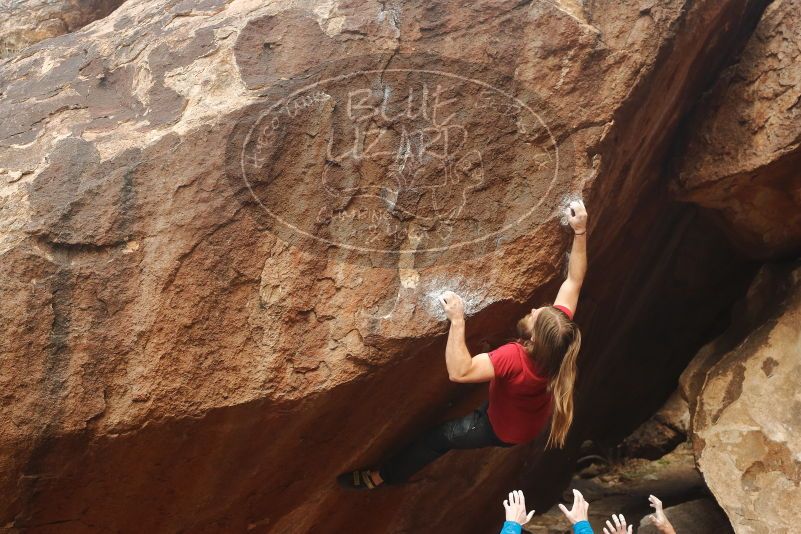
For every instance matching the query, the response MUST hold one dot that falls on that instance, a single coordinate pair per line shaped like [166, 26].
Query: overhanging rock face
[220, 249]
[743, 157]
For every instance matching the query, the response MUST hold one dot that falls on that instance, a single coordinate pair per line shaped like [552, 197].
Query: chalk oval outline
[356, 248]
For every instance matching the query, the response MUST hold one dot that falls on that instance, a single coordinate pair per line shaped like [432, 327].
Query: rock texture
[701, 516]
[623, 487]
[174, 359]
[743, 155]
[25, 22]
[661, 433]
[745, 406]
[656, 459]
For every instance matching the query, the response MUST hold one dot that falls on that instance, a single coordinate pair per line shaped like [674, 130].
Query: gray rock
[701, 516]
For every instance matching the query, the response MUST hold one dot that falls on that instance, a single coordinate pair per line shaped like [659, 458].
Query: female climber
[530, 380]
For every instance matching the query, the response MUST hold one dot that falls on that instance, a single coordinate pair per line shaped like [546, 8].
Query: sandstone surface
[746, 409]
[203, 325]
[743, 155]
[25, 22]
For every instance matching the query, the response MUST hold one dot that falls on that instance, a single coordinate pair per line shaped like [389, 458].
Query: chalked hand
[659, 518]
[576, 215]
[579, 510]
[453, 305]
[515, 508]
[620, 526]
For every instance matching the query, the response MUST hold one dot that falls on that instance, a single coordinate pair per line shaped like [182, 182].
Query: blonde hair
[554, 350]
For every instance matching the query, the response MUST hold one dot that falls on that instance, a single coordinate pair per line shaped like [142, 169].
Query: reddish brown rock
[743, 159]
[176, 357]
[25, 22]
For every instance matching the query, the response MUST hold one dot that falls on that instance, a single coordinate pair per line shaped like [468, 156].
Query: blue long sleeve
[582, 527]
[510, 527]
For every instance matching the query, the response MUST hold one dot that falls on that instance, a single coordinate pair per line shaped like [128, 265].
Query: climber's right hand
[577, 216]
[453, 305]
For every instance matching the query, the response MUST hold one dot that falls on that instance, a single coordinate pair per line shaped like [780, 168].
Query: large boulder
[213, 302]
[661, 433]
[742, 161]
[25, 22]
[745, 408]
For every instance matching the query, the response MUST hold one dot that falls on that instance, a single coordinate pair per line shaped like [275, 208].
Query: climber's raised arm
[577, 267]
[462, 367]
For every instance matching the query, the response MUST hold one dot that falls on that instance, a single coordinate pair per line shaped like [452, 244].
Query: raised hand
[660, 519]
[453, 305]
[576, 215]
[619, 527]
[579, 510]
[516, 508]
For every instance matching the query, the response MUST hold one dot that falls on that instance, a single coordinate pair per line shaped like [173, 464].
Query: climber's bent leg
[472, 431]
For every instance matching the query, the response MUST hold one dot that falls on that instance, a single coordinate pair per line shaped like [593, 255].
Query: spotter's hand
[515, 508]
[620, 526]
[579, 510]
[660, 519]
[577, 216]
[453, 305]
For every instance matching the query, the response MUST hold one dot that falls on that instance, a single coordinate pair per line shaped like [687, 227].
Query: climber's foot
[360, 479]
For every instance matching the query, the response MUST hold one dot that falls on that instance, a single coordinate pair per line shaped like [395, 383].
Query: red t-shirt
[519, 400]
[564, 309]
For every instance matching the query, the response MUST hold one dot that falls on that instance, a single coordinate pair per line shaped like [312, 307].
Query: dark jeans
[473, 431]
